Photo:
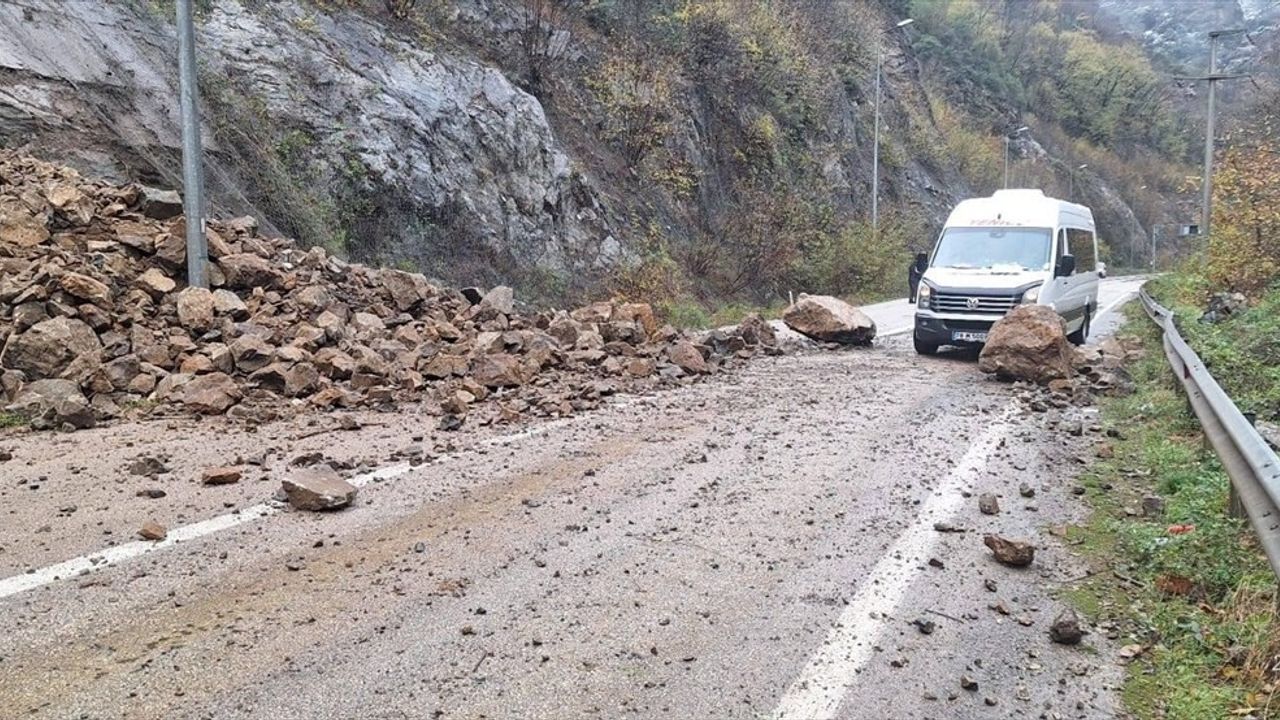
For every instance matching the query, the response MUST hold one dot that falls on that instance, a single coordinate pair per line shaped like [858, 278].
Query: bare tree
[543, 40]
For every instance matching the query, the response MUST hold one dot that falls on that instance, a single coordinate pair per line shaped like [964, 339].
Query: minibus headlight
[1032, 296]
[923, 295]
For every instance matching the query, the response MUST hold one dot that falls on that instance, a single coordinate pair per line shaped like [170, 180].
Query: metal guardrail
[1249, 461]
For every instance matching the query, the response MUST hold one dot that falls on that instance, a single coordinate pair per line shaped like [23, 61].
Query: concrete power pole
[1007, 138]
[875, 152]
[1206, 183]
[875, 143]
[192, 156]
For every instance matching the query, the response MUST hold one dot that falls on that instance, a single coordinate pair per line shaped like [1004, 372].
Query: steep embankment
[713, 149]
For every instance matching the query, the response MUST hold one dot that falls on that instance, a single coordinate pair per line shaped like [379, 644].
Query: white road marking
[897, 331]
[113, 555]
[816, 694]
[1122, 300]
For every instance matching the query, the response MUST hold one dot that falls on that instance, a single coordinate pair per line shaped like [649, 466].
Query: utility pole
[1071, 181]
[875, 152]
[875, 143]
[1206, 183]
[1007, 137]
[192, 156]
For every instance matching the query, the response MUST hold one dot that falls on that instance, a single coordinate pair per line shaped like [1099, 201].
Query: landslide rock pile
[96, 322]
[1030, 344]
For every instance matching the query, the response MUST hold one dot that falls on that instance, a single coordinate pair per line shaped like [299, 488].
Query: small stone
[1014, 553]
[968, 683]
[151, 530]
[221, 475]
[988, 504]
[1066, 628]
[147, 465]
[1152, 506]
[1026, 491]
[926, 627]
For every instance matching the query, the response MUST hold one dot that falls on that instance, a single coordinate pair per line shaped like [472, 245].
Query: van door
[1084, 245]
[1079, 288]
[1055, 288]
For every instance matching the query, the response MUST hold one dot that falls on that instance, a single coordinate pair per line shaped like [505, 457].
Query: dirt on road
[801, 538]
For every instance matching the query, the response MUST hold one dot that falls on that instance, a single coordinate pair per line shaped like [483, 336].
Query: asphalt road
[754, 546]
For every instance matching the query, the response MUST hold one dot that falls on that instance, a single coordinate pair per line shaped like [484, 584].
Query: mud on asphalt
[683, 554]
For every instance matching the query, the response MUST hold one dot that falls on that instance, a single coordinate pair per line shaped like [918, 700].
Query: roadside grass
[11, 420]
[1242, 351]
[1187, 587]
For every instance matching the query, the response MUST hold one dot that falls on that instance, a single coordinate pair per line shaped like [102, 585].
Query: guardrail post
[1235, 506]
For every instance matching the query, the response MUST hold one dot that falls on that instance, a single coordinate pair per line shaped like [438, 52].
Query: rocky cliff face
[1177, 32]
[328, 125]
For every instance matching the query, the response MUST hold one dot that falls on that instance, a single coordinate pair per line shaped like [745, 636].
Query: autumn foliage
[1244, 249]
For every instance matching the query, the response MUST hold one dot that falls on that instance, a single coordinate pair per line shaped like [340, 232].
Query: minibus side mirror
[1066, 266]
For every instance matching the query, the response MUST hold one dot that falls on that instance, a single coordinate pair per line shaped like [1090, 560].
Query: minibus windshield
[994, 247]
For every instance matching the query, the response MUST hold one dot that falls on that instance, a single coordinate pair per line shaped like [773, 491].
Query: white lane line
[897, 331]
[113, 555]
[816, 694]
[88, 563]
[110, 556]
[1122, 300]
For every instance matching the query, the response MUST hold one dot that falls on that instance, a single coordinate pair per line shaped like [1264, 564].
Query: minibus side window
[1082, 247]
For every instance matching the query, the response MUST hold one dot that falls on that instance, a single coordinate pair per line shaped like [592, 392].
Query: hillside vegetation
[692, 153]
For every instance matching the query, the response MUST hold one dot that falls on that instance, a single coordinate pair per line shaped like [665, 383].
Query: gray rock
[159, 204]
[317, 488]
[1066, 628]
[988, 504]
[49, 347]
[830, 319]
[53, 403]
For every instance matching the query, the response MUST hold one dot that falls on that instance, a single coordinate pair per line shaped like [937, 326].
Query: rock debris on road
[680, 554]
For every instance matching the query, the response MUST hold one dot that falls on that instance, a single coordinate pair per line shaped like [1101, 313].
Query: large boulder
[53, 403]
[195, 309]
[246, 271]
[1030, 344]
[159, 204]
[497, 370]
[688, 358]
[86, 288]
[49, 347]
[210, 394]
[830, 319]
[20, 227]
[756, 331]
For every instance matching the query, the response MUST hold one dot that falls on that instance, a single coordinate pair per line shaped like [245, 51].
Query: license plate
[965, 336]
